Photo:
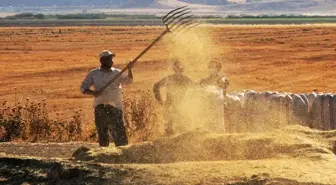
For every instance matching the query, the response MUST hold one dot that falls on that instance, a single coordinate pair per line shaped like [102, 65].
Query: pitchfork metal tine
[187, 27]
[181, 21]
[183, 25]
[190, 26]
[175, 16]
[181, 15]
[163, 18]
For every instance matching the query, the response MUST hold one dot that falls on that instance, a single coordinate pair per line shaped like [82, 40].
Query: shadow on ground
[37, 171]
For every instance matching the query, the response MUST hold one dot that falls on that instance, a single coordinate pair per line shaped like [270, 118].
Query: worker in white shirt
[108, 104]
[214, 105]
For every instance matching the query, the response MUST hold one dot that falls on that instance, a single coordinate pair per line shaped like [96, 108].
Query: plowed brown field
[51, 62]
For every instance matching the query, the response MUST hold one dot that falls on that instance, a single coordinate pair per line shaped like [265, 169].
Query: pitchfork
[175, 21]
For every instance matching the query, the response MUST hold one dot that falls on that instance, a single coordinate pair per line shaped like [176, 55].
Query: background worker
[214, 77]
[214, 101]
[177, 86]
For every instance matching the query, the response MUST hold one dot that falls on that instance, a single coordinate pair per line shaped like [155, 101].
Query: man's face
[178, 68]
[106, 61]
[213, 69]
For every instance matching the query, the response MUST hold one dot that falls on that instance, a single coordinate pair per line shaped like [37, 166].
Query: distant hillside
[208, 2]
[137, 3]
[225, 6]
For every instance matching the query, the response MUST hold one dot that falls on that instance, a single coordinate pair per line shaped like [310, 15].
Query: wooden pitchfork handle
[175, 20]
[134, 60]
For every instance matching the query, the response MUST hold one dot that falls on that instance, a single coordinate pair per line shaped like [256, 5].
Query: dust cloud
[194, 48]
[201, 106]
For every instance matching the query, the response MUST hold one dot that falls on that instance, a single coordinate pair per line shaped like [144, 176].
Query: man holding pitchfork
[108, 104]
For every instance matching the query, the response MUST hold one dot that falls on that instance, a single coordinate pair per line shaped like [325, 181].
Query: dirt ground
[292, 155]
[50, 63]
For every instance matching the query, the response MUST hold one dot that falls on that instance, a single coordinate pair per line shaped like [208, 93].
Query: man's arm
[190, 82]
[205, 81]
[127, 78]
[223, 83]
[130, 71]
[156, 89]
[91, 92]
[86, 84]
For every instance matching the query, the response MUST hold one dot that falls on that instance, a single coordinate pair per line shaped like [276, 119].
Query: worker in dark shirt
[177, 85]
